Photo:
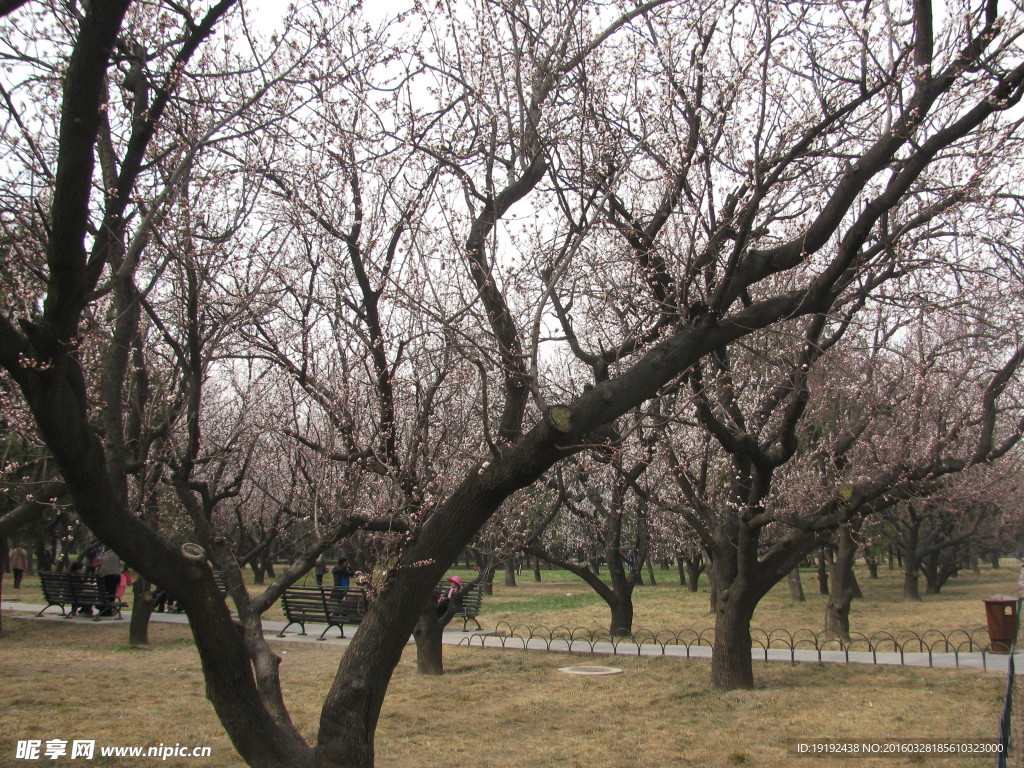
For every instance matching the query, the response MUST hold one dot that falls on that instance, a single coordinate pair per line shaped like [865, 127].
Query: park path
[976, 660]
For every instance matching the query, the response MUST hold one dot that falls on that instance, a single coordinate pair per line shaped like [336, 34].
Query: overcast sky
[270, 11]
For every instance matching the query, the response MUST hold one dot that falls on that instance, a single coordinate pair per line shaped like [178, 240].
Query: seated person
[78, 578]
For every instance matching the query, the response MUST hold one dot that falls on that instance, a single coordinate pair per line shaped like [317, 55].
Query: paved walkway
[992, 662]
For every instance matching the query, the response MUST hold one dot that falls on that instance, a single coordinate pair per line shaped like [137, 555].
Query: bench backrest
[348, 605]
[64, 588]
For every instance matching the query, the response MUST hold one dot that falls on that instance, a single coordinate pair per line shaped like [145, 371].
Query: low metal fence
[878, 647]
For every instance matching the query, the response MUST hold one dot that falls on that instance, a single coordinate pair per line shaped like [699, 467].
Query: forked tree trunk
[910, 589]
[796, 587]
[937, 573]
[650, 572]
[258, 574]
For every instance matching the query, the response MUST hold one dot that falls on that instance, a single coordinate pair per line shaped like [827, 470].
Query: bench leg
[339, 626]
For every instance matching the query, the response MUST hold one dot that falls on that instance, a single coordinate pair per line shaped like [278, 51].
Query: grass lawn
[60, 681]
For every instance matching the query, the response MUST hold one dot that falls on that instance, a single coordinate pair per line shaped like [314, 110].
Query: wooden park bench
[78, 591]
[472, 601]
[333, 606]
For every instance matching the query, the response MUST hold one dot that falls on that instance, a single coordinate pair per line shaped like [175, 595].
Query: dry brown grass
[492, 708]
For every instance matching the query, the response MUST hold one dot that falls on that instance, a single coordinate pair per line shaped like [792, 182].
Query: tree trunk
[4, 545]
[258, 573]
[713, 595]
[536, 570]
[732, 666]
[622, 617]
[694, 568]
[429, 648]
[837, 610]
[872, 565]
[930, 569]
[822, 573]
[910, 590]
[994, 559]
[855, 585]
[510, 573]
[650, 572]
[796, 587]
[142, 609]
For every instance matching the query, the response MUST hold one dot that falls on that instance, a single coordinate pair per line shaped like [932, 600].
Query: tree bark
[872, 565]
[837, 610]
[510, 573]
[429, 648]
[822, 573]
[142, 609]
[732, 666]
[796, 587]
[622, 617]
[911, 593]
[650, 572]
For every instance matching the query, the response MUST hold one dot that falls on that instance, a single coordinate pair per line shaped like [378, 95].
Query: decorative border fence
[894, 646]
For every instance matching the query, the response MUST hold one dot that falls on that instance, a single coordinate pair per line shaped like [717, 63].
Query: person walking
[19, 563]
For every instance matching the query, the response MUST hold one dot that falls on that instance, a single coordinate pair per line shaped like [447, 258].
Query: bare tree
[582, 205]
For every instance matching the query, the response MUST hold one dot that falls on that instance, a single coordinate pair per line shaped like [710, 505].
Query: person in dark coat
[342, 576]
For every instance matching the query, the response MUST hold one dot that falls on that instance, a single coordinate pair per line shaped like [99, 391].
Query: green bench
[333, 606]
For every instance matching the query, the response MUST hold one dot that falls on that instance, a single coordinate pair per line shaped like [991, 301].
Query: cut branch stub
[193, 552]
[560, 417]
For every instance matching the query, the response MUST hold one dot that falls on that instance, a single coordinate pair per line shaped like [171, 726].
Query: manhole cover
[590, 670]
